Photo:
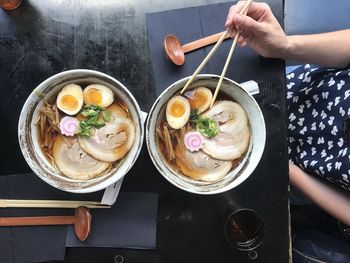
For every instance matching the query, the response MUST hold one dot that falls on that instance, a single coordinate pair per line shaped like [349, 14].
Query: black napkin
[190, 24]
[130, 223]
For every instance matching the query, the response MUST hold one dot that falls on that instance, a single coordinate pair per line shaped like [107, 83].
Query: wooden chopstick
[50, 203]
[213, 50]
[200, 67]
[244, 11]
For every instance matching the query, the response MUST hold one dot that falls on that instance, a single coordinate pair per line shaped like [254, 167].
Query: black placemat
[33, 243]
[190, 24]
[130, 223]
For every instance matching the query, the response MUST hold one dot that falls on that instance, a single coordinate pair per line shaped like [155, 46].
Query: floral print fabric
[318, 111]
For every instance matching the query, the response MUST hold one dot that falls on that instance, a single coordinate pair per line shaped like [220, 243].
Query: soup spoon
[81, 221]
[175, 51]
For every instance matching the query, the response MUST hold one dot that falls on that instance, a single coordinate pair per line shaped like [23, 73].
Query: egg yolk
[69, 102]
[93, 96]
[199, 99]
[177, 109]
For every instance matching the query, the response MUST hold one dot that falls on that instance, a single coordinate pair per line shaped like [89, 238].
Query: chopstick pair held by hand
[204, 62]
[211, 53]
[244, 11]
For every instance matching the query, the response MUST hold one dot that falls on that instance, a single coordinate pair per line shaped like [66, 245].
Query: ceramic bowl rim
[164, 173]
[88, 73]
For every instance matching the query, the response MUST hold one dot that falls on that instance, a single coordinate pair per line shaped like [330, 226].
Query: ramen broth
[168, 145]
[48, 129]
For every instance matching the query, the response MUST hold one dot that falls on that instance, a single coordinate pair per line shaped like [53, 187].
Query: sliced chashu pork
[75, 163]
[117, 111]
[199, 165]
[233, 138]
[113, 141]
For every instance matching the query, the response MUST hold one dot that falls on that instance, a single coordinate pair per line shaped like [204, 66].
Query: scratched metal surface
[44, 37]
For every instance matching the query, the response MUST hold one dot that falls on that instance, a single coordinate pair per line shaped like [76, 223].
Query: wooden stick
[37, 220]
[50, 203]
[20, 205]
[200, 67]
[9, 202]
[81, 221]
[244, 11]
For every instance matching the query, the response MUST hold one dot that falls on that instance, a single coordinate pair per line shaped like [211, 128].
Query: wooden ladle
[81, 221]
[175, 51]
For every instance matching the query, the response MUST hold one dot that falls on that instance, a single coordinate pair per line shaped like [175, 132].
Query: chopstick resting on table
[213, 50]
[4, 203]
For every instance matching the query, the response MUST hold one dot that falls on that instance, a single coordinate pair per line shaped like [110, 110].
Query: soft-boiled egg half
[70, 99]
[199, 98]
[99, 95]
[178, 112]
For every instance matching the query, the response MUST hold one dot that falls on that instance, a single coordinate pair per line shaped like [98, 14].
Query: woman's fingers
[259, 29]
[246, 25]
[255, 11]
[235, 9]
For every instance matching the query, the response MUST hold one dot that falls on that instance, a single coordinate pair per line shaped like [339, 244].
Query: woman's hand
[262, 32]
[259, 29]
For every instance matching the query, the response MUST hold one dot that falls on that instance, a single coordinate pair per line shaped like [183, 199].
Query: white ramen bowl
[250, 160]
[27, 131]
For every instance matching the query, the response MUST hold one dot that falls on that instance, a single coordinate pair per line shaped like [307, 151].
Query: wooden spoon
[175, 51]
[81, 221]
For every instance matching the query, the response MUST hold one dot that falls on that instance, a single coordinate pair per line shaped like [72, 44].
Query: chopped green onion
[93, 120]
[207, 127]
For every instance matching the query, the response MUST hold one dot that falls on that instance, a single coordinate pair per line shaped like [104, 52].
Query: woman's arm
[332, 200]
[262, 32]
[329, 49]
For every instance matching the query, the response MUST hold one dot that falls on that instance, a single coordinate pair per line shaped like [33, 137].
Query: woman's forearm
[327, 49]
[332, 200]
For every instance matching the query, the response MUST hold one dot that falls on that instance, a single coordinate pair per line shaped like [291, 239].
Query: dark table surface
[42, 38]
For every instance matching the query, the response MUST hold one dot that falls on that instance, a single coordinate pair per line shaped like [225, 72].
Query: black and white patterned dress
[318, 107]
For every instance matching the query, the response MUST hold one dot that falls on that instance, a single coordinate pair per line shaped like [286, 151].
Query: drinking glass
[244, 230]
[10, 4]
